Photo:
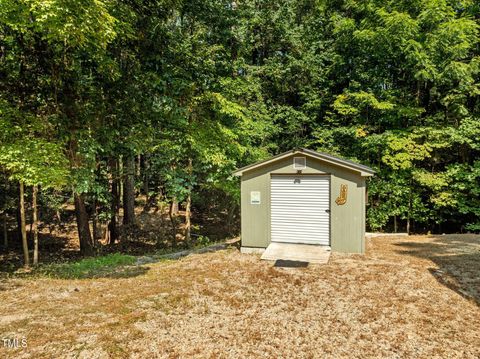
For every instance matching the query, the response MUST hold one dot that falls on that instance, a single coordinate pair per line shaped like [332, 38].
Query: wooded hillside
[102, 101]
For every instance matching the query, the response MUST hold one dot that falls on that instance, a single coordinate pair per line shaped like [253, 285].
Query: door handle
[327, 210]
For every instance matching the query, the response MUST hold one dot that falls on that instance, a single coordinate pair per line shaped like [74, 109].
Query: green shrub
[202, 241]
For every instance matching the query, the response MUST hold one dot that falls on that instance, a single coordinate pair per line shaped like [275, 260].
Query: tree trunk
[35, 225]
[395, 224]
[146, 186]
[188, 222]
[94, 220]
[121, 172]
[23, 229]
[30, 232]
[172, 214]
[115, 202]
[174, 206]
[5, 232]
[129, 192]
[188, 212]
[138, 172]
[4, 215]
[146, 178]
[58, 215]
[84, 235]
[410, 205]
[96, 225]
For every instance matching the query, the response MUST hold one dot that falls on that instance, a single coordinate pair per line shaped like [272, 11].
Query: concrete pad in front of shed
[297, 252]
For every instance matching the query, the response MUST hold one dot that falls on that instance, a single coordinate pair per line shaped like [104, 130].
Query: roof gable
[364, 171]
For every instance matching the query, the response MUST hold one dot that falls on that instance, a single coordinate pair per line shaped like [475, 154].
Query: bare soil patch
[407, 297]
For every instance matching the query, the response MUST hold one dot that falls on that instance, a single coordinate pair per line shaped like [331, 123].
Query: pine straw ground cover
[415, 297]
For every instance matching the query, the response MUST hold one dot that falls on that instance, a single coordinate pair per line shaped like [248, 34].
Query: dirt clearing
[407, 297]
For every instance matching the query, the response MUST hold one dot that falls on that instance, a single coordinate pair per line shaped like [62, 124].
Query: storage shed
[304, 196]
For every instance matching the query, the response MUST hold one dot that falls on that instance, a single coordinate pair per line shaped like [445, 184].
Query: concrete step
[297, 252]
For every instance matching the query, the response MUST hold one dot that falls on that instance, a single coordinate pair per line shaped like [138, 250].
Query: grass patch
[88, 267]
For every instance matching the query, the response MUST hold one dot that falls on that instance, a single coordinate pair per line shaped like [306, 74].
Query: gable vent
[299, 163]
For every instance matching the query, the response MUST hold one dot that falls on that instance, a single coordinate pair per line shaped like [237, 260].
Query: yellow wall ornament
[342, 199]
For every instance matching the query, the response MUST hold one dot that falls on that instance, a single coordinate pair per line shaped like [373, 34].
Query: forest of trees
[104, 100]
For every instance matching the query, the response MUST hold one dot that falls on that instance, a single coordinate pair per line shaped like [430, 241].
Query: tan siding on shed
[347, 221]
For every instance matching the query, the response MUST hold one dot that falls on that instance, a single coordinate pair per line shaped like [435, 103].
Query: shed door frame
[304, 175]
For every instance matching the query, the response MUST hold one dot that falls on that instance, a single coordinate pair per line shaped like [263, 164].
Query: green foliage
[88, 267]
[202, 241]
[401, 151]
[464, 187]
[390, 84]
[356, 103]
[35, 162]
[205, 86]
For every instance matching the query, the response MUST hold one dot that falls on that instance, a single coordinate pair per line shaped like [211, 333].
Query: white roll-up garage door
[300, 209]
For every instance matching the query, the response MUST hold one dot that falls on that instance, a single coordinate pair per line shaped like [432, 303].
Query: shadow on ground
[457, 259]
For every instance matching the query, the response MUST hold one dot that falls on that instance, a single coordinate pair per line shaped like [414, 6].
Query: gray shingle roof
[365, 170]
